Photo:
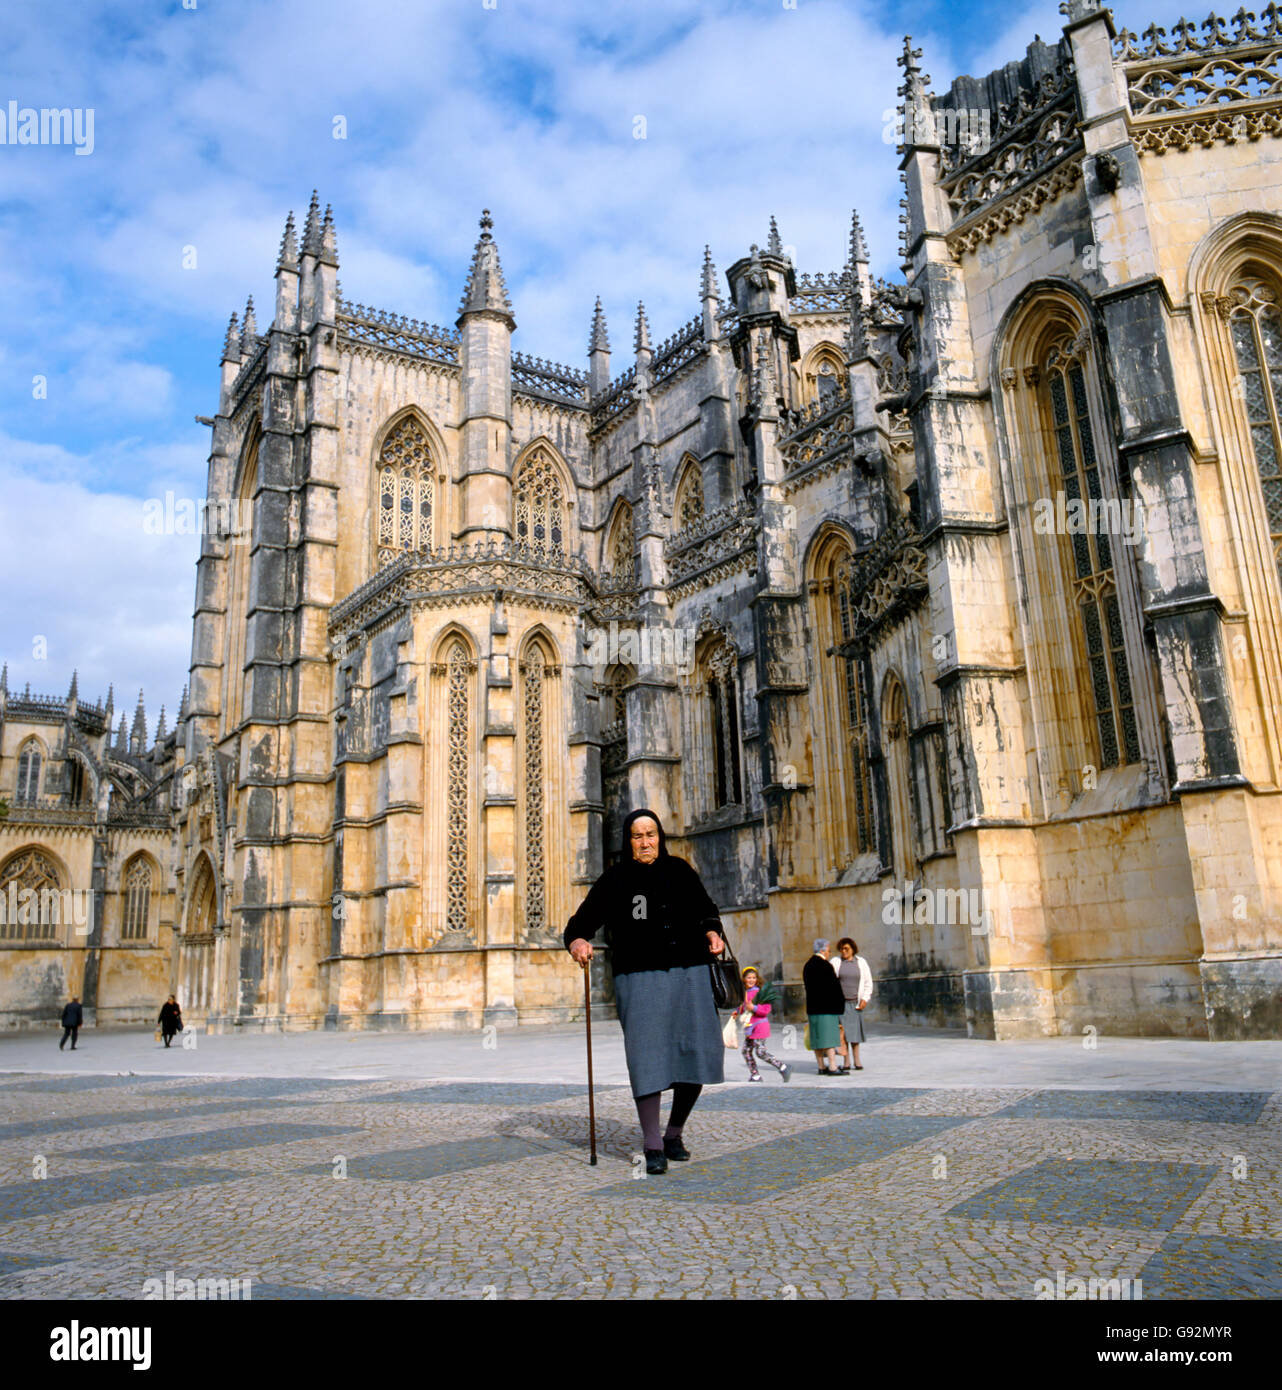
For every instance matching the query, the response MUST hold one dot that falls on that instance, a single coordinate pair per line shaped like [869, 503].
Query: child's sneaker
[756, 1076]
[785, 1072]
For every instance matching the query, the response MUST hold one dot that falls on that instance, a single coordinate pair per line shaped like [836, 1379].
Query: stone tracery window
[29, 771]
[1092, 578]
[614, 714]
[620, 561]
[825, 377]
[853, 704]
[721, 691]
[533, 675]
[540, 505]
[137, 886]
[458, 676]
[30, 897]
[405, 491]
[688, 508]
[1255, 326]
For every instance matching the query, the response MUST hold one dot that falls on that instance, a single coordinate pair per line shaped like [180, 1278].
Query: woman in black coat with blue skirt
[663, 931]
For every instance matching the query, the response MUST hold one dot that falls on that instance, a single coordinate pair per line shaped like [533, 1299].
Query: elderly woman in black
[662, 929]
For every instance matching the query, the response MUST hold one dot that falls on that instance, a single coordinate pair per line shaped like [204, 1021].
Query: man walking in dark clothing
[72, 1017]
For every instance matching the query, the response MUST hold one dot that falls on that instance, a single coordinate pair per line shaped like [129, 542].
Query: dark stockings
[684, 1095]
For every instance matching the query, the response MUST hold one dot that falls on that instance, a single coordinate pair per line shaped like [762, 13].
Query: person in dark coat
[825, 1003]
[663, 930]
[72, 1017]
[170, 1020]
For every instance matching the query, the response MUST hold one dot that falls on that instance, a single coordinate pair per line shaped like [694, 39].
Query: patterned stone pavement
[331, 1188]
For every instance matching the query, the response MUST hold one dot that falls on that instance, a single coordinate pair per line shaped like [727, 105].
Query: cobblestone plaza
[383, 1167]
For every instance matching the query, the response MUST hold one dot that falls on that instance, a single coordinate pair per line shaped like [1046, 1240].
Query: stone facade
[942, 613]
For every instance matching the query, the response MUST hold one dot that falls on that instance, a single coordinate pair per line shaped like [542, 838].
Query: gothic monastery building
[943, 613]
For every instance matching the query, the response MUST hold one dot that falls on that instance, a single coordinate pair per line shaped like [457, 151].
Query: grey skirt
[853, 1022]
[671, 1031]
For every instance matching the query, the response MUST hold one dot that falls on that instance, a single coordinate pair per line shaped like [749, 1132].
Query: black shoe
[655, 1162]
[675, 1149]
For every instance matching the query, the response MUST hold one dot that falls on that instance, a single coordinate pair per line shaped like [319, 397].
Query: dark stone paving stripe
[72, 1124]
[1132, 1194]
[171, 1146]
[436, 1160]
[16, 1264]
[780, 1165]
[484, 1093]
[1207, 1107]
[255, 1087]
[83, 1083]
[49, 1196]
[1214, 1267]
[793, 1101]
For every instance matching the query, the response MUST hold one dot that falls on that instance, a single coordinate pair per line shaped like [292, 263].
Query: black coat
[171, 1019]
[823, 989]
[72, 1016]
[654, 916]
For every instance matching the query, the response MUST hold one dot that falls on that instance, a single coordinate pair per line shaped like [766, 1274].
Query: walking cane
[587, 1014]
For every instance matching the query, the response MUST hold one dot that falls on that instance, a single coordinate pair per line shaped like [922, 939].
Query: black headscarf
[625, 851]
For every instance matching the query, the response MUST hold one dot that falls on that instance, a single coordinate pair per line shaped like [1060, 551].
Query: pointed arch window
[1255, 326]
[137, 885]
[903, 835]
[405, 491]
[721, 691]
[540, 504]
[689, 503]
[614, 712]
[620, 561]
[30, 897]
[1092, 576]
[29, 761]
[853, 705]
[824, 377]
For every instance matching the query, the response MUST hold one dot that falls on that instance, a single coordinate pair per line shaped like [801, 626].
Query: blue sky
[212, 122]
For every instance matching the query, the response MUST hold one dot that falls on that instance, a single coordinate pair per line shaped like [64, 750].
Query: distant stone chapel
[944, 614]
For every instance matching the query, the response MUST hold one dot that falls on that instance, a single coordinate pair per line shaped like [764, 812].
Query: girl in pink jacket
[756, 1009]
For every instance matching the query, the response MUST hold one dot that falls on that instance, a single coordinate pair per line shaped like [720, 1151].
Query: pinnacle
[858, 246]
[329, 245]
[641, 341]
[708, 280]
[774, 246]
[288, 256]
[231, 343]
[485, 289]
[161, 731]
[600, 340]
[182, 706]
[74, 692]
[249, 328]
[311, 228]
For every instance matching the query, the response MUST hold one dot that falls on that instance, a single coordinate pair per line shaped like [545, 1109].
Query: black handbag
[727, 983]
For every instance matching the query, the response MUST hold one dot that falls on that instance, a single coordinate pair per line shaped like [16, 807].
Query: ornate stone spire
[312, 228]
[708, 280]
[641, 338]
[485, 290]
[918, 116]
[774, 246]
[858, 247]
[122, 738]
[110, 707]
[4, 678]
[138, 734]
[287, 258]
[231, 343]
[329, 244]
[249, 327]
[161, 731]
[182, 706]
[73, 694]
[599, 341]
